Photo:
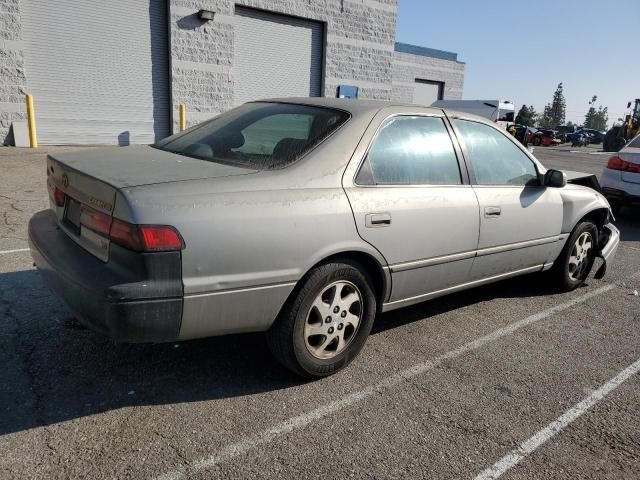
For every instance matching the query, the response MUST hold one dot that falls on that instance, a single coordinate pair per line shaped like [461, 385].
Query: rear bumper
[618, 190]
[134, 297]
[622, 197]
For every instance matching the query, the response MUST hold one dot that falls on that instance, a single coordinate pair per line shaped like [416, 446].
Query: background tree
[558, 107]
[545, 120]
[526, 116]
[589, 116]
[596, 119]
[571, 125]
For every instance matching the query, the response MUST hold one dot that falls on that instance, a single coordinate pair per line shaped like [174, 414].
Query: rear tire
[536, 141]
[573, 265]
[326, 321]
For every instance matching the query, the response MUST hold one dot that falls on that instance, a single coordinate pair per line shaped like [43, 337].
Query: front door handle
[490, 212]
[377, 219]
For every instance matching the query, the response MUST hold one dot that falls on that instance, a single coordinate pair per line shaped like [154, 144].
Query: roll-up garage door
[276, 56]
[98, 70]
[426, 92]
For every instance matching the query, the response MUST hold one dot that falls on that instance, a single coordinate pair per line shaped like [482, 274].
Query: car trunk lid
[133, 166]
[82, 194]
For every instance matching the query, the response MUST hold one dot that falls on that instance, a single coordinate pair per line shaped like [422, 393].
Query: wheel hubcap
[580, 255]
[333, 320]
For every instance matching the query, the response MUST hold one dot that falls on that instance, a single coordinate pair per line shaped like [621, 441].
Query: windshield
[257, 135]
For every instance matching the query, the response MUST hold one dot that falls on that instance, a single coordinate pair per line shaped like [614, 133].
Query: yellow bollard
[31, 121]
[183, 117]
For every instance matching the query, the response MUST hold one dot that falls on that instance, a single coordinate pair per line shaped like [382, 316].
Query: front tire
[326, 322]
[573, 265]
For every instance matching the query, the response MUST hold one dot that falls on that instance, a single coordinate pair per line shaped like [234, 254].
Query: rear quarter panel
[245, 251]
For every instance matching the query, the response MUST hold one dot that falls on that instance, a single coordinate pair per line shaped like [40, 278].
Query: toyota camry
[305, 218]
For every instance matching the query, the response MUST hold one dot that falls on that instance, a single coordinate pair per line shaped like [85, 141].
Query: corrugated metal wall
[98, 70]
[276, 56]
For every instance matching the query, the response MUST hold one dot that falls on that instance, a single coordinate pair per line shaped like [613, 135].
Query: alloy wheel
[333, 320]
[580, 256]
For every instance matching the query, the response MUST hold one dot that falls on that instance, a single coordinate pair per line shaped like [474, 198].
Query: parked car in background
[564, 129]
[594, 136]
[620, 181]
[545, 138]
[580, 139]
[305, 218]
[523, 133]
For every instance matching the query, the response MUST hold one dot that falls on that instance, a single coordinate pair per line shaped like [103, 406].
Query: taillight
[55, 194]
[160, 238]
[616, 163]
[126, 235]
[145, 238]
[94, 220]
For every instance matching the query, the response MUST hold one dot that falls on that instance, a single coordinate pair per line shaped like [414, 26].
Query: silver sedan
[305, 218]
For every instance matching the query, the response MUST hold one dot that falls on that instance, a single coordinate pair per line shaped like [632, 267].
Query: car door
[412, 201]
[520, 220]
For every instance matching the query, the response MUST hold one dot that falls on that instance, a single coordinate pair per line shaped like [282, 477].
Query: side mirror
[555, 179]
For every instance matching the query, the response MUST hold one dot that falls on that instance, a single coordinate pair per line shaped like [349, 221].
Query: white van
[503, 112]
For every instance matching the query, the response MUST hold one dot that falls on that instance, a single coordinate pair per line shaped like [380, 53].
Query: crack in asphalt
[25, 354]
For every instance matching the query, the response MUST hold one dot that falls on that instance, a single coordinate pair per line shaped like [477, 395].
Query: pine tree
[558, 107]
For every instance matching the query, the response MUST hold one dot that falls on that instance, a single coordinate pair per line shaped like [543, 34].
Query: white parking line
[4, 252]
[301, 421]
[547, 433]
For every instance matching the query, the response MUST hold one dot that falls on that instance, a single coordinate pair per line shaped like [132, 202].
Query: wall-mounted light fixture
[206, 15]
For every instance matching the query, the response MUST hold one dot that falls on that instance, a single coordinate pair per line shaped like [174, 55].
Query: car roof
[371, 107]
[353, 106]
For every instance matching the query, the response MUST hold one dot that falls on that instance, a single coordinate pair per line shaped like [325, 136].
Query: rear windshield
[635, 143]
[257, 135]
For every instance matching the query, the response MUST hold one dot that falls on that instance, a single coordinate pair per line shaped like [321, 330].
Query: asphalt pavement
[511, 380]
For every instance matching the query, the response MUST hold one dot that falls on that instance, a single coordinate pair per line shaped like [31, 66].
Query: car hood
[585, 179]
[143, 165]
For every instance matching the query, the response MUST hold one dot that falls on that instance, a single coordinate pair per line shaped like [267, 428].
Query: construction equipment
[620, 134]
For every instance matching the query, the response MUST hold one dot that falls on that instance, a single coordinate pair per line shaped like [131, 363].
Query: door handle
[377, 219]
[492, 212]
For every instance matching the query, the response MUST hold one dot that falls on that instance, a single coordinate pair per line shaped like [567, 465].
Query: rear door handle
[492, 212]
[377, 219]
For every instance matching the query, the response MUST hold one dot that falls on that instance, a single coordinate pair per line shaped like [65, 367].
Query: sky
[520, 51]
